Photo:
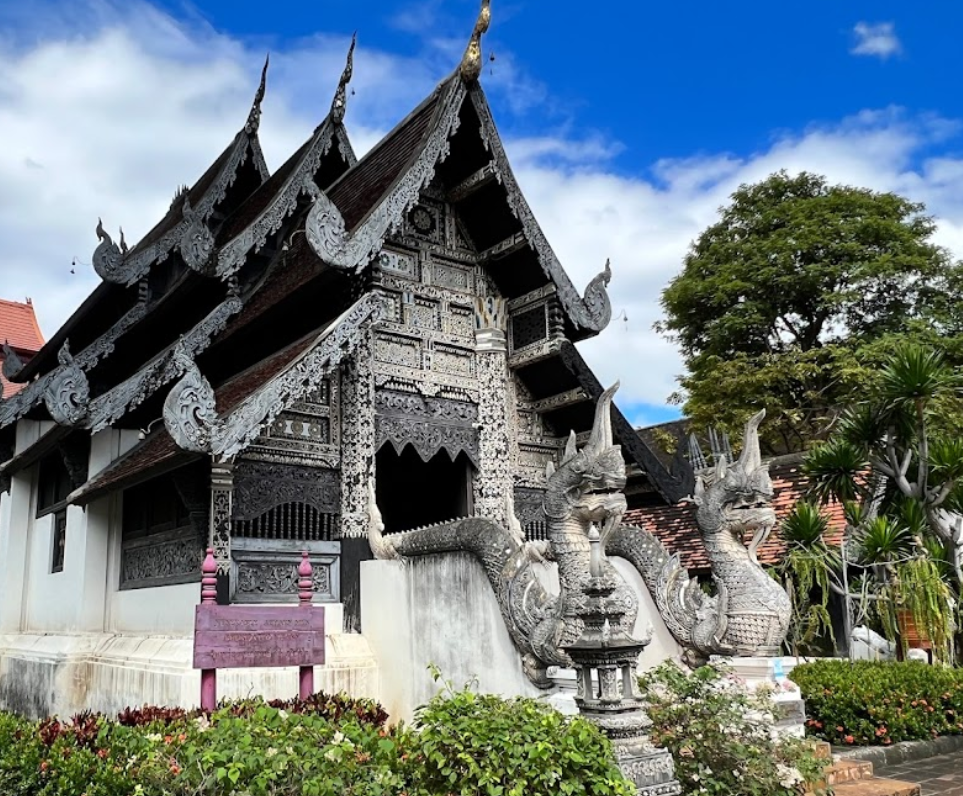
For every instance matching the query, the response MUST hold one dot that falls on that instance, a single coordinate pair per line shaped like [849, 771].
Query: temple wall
[441, 610]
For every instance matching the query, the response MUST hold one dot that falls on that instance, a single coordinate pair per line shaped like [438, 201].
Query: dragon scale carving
[750, 613]
[585, 490]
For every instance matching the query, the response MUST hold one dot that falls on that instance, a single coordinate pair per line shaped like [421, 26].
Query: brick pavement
[938, 776]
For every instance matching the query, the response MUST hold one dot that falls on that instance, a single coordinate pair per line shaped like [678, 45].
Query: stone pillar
[357, 470]
[222, 500]
[15, 523]
[493, 489]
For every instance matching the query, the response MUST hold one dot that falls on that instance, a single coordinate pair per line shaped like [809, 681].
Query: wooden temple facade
[283, 347]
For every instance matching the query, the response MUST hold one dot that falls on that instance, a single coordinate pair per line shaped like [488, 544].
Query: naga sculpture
[750, 612]
[586, 490]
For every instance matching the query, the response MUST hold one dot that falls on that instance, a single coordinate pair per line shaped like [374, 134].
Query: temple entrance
[412, 493]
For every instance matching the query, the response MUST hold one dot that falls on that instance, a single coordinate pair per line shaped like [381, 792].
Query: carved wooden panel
[307, 433]
[266, 571]
[161, 559]
[530, 513]
[529, 326]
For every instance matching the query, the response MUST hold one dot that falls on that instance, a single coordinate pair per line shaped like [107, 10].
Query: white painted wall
[442, 610]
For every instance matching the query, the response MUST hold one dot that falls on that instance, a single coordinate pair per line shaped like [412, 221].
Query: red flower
[848, 739]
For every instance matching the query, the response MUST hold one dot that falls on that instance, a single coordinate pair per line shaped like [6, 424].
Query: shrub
[324, 746]
[720, 735]
[482, 745]
[880, 702]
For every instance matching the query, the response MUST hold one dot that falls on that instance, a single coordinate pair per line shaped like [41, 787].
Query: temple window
[53, 486]
[160, 545]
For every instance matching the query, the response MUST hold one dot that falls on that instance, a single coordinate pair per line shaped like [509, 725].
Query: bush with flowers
[880, 702]
[462, 743]
[720, 735]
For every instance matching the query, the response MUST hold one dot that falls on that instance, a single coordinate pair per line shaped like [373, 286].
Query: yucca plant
[809, 569]
[898, 455]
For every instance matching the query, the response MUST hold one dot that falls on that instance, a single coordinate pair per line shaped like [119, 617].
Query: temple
[278, 348]
[21, 339]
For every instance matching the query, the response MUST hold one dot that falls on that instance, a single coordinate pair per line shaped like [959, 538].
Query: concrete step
[877, 787]
[849, 771]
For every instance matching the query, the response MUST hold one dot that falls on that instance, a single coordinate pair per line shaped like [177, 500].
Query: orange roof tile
[675, 525]
[20, 330]
[19, 327]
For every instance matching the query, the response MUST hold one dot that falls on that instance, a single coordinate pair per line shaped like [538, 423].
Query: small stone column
[222, 504]
[357, 469]
[493, 488]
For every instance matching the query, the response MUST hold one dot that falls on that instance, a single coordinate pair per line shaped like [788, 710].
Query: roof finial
[340, 102]
[254, 117]
[471, 62]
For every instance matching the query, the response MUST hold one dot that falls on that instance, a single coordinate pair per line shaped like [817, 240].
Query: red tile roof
[20, 330]
[675, 525]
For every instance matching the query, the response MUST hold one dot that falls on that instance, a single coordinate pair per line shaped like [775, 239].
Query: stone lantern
[605, 658]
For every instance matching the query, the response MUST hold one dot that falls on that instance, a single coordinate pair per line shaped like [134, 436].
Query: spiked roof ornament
[340, 102]
[471, 62]
[254, 117]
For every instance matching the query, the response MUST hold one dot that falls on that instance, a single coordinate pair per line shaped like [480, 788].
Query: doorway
[412, 493]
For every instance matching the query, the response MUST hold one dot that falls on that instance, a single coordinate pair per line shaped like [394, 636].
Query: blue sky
[628, 124]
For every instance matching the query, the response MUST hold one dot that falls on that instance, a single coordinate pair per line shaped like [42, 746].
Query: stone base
[651, 770]
[790, 709]
[60, 674]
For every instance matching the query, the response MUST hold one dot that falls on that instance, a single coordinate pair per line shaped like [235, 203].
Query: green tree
[797, 295]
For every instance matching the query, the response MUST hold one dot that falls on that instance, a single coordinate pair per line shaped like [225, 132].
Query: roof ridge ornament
[12, 363]
[254, 117]
[471, 62]
[340, 102]
[108, 259]
[596, 298]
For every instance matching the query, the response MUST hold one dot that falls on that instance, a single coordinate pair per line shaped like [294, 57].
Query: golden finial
[471, 62]
[340, 102]
[254, 117]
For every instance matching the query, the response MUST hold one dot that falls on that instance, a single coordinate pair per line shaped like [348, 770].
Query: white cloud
[877, 40]
[100, 119]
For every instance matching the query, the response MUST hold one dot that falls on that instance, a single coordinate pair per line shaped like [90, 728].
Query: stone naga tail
[750, 611]
[585, 490]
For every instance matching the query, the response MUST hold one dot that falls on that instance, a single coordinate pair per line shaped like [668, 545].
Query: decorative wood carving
[428, 424]
[67, 392]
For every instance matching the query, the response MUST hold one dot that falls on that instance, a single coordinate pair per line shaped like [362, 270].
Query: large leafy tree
[797, 295]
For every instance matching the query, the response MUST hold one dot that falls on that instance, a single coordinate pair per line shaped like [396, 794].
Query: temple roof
[20, 331]
[675, 524]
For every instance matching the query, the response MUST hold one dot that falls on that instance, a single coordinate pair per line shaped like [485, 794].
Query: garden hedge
[865, 703]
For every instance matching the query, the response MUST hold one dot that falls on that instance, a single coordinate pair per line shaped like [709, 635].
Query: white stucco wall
[441, 610]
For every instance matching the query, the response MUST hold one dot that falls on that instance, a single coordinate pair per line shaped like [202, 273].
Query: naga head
[588, 484]
[738, 497]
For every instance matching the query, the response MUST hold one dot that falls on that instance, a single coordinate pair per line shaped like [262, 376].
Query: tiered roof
[245, 269]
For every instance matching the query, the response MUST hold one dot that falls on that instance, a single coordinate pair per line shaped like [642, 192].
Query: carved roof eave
[232, 255]
[114, 264]
[66, 391]
[591, 312]
[190, 413]
[352, 250]
[672, 486]
[17, 405]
